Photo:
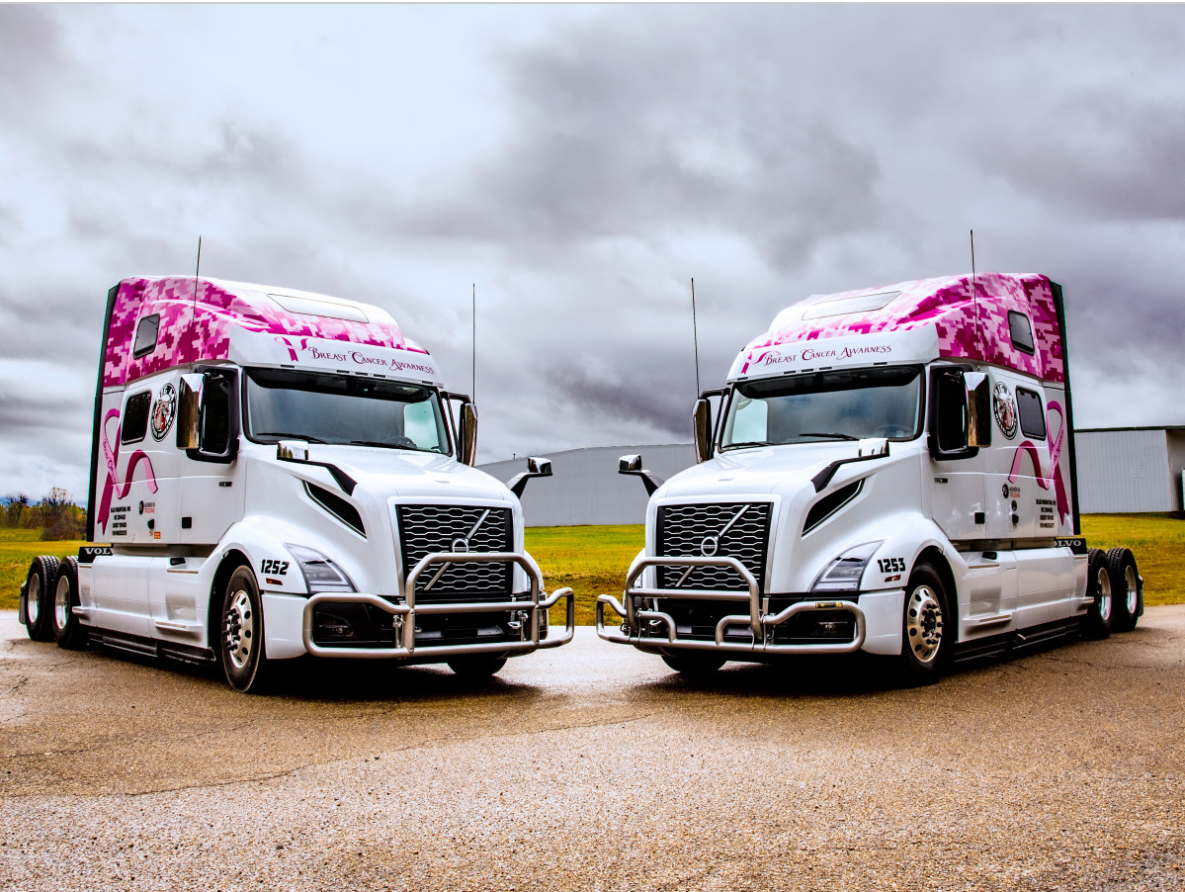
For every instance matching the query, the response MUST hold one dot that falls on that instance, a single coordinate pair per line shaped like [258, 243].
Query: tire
[240, 634]
[1101, 615]
[927, 627]
[68, 629]
[477, 666]
[39, 599]
[694, 665]
[1126, 591]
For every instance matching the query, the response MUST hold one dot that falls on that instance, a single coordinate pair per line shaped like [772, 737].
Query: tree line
[55, 515]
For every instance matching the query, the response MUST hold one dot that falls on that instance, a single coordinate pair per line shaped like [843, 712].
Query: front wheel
[927, 627]
[240, 643]
[694, 665]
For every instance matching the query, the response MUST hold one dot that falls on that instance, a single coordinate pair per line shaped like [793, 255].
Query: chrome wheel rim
[1102, 593]
[61, 603]
[238, 629]
[1133, 589]
[923, 624]
[33, 599]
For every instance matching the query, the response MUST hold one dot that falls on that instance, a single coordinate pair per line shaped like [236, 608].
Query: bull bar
[758, 621]
[405, 613]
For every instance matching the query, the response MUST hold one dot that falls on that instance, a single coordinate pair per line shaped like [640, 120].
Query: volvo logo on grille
[459, 546]
[709, 546]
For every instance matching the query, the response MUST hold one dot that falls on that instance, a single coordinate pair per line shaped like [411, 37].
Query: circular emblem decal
[1004, 405]
[459, 545]
[709, 546]
[163, 411]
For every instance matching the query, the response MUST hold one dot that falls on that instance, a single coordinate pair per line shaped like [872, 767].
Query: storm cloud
[581, 165]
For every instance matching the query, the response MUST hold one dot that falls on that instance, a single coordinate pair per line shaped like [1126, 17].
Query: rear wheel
[927, 627]
[240, 643]
[68, 630]
[39, 598]
[1125, 589]
[694, 665]
[476, 666]
[1101, 615]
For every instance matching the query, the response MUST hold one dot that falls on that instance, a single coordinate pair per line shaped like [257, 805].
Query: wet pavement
[595, 767]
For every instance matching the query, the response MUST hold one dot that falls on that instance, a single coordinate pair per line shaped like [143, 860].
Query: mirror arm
[649, 479]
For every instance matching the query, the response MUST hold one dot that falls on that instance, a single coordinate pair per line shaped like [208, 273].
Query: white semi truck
[891, 470]
[281, 473]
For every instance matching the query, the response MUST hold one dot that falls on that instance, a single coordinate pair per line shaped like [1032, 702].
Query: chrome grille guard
[758, 621]
[405, 614]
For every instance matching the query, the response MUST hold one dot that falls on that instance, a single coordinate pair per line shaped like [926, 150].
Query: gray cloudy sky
[580, 164]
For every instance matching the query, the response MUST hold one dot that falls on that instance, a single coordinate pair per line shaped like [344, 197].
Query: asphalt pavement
[595, 767]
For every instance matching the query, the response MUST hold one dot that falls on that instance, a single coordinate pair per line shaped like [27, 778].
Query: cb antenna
[695, 335]
[473, 389]
[196, 272]
[974, 290]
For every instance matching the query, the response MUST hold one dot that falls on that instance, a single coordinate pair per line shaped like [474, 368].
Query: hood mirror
[292, 450]
[536, 467]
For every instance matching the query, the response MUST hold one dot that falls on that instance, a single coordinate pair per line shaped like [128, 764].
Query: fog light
[331, 626]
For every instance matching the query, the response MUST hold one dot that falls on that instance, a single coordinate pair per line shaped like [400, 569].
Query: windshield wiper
[829, 436]
[304, 437]
[385, 445]
[748, 443]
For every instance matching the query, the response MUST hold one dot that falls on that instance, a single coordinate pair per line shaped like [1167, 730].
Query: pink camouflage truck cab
[282, 473]
[891, 471]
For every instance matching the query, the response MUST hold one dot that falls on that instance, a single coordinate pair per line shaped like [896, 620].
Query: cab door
[957, 491]
[212, 496]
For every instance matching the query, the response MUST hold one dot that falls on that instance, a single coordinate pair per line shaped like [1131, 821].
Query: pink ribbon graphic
[113, 487]
[1053, 479]
[304, 343]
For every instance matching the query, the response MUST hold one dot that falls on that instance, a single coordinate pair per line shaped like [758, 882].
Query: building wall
[1126, 471]
[585, 487]
[1177, 467]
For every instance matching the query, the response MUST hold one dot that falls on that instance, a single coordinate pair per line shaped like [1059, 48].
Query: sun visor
[764, 359]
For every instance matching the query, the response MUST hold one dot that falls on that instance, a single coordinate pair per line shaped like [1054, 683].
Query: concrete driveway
[594, 767]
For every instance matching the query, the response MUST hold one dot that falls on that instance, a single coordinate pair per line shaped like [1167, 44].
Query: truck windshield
[841, 405]
[344, 410]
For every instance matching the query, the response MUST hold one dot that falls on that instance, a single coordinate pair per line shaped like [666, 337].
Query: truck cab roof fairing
[198, 327]
[970, 316]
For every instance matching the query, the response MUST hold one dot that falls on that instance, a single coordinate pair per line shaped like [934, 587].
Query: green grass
[17, 550]
[593, 559]
[1157, 541]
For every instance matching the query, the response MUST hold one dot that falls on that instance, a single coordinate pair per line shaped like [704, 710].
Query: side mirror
[189, 406]
[701, 420]
[207, 426]
[979, 409]
[631, 466]
[467, 435]
[950, 415]
[536, 467]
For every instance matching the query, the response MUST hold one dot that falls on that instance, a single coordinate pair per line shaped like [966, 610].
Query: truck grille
[683, 529]
[427, 529]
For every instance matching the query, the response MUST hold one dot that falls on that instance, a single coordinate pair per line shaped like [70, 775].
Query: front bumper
[760, 622]
[404, 615]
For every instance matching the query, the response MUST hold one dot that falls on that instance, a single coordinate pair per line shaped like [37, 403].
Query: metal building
[1120, 471]
[1130, 469]
[585, 487]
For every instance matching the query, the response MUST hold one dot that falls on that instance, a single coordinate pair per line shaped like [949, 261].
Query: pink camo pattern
[195, 331]
[950, 304]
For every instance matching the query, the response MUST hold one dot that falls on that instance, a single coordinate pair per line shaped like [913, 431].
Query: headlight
[843, 574]
[320, 573]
